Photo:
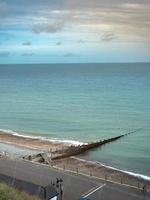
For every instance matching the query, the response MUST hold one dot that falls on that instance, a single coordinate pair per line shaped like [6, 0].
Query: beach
[29, 142]
[47, 149]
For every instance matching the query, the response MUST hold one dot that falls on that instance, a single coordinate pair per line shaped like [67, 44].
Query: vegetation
[10, 193]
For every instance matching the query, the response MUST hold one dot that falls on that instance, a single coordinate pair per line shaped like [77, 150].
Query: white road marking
[94, 190]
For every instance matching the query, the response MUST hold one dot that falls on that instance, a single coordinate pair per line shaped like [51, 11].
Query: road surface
[73, 185]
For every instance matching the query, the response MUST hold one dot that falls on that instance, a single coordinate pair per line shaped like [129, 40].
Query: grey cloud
[20, 8]
[31, 7]
[51, 27]
[130, 17]
[59, 43]
[4, 54]
[108, 36]
[70, 55]
[81, 41]
[26, 43]
[4, 9]
[98, 4]
[27, 54]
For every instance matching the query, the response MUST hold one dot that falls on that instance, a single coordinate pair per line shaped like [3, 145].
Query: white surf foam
[140, 176]
[137, 175]
[54, 140]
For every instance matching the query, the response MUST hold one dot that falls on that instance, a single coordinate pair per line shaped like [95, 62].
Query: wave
[137, 175]
[54, 140]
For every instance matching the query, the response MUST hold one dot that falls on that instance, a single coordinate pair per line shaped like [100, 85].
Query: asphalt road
[73, 185]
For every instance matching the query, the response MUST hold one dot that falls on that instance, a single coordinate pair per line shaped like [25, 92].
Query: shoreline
[51, 146]
[29, 142]
[130, 173]
[101, 171]
[41, 139]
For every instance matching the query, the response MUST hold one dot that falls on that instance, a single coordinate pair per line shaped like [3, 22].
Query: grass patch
[7, 193]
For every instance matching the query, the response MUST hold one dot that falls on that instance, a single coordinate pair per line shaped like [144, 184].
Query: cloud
[133, 6]
[80, 41]
[26, 43]
[4, 9]
[99, 3]
[4, 54]
[27, 54]
[59, 43]
[108, 36]
[70, 55]
[83, 19]
[49, 27]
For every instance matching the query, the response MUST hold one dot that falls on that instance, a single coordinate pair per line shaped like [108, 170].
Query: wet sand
[31, 143]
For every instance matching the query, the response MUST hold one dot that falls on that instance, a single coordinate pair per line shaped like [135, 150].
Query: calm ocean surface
[82, 103]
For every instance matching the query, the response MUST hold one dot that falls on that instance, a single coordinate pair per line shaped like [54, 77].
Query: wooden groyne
[73, 151]
[76, 150]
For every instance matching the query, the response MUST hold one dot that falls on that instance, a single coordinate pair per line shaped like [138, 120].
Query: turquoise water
[82, 102]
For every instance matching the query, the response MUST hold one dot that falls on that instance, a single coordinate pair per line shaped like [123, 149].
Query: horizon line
[68, 63]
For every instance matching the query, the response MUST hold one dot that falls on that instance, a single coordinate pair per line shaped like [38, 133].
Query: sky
[74, 31]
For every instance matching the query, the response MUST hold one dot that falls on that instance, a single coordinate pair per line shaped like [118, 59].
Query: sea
[79, 103]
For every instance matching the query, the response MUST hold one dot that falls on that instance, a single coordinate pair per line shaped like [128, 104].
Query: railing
[111, 176]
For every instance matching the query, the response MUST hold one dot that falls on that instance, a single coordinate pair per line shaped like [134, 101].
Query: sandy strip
[31, 143]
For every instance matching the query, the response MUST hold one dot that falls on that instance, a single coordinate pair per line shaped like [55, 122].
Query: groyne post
[90, 172]
[121, 180]
[77, 170]
[106, 177]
